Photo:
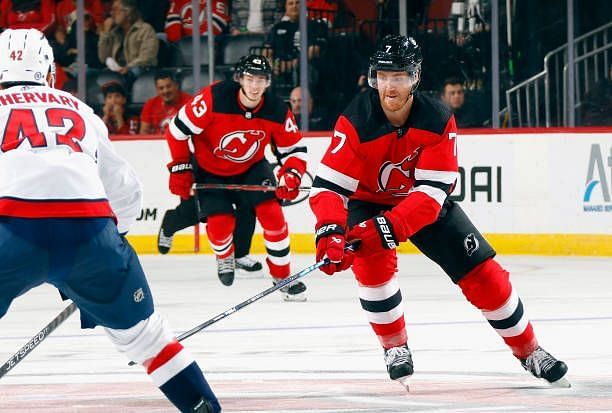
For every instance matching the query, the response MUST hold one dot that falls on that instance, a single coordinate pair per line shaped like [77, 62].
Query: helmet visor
[396, 79]
[255, 79]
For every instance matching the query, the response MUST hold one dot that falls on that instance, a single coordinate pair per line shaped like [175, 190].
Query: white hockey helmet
[26, 56]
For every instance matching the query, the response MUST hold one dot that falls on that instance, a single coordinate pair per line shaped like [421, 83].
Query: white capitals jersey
[56, 160]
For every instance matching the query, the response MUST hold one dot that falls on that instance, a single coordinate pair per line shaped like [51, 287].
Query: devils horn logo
[396, 176]
[239, 146]
[471, 244]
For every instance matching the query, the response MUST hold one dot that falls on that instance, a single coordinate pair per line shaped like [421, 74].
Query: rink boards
[538, 191]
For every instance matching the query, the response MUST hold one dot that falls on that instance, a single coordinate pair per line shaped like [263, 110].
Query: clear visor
[396, 79]
[258, 81]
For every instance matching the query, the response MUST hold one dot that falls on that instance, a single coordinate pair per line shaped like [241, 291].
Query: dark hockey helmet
[253, 64]
[396, 53]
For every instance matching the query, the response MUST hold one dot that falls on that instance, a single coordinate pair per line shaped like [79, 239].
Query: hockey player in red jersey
[385, 179]
[231, 123]
[67, 199]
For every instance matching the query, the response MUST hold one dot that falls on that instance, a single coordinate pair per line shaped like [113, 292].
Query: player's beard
[395, 102]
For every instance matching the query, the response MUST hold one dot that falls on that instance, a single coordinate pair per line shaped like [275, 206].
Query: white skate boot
[399, 364]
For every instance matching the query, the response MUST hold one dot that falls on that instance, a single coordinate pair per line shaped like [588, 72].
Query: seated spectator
[317, 119]
[27, 14]
[250, 16]
[453, 96]
[114, 112]
[283, 41]
[65, 46]
[179, 22]
[159, 110]
[66, 15]
[127, 44]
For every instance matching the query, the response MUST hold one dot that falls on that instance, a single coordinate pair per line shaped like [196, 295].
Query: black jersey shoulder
[225, 101]
[274, 108]
[224, 97]
[367, 117]
[428, 114]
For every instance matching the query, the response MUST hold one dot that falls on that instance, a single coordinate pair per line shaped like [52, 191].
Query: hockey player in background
[231, 123]
[66, 198]
[185, 215]
[385, 179]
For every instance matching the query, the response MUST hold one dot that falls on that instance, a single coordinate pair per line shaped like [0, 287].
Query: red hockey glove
[288, 183]
[376, 235]
[181, 178]
[330, 243]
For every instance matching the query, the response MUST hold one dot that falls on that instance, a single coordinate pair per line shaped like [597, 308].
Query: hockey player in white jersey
[67, 199]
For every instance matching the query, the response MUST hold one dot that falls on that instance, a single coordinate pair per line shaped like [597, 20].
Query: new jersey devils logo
[471, 244]
[395, 177]
[239, 146]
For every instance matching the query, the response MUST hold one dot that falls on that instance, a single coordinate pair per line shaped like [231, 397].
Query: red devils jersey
[179, 21]
[229, 138]
[371, 160]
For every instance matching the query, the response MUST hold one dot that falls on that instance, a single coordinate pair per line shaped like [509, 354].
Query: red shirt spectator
[159, 110]
[65, 12]
[27, 14]
[179, 20]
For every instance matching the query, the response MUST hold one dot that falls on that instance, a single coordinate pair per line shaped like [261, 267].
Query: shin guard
[170, 366]
[489, 289]
[381, 298]
[220, 230]
[276, 238]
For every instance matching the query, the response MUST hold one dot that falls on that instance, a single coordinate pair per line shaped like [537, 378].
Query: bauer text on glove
[376, 234]
[181, 178]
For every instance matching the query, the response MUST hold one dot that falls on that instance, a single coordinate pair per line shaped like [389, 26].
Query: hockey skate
[399, 364]
[247, 267]
[295, 292]
[544, 366]
[225, 269]
[164, 241]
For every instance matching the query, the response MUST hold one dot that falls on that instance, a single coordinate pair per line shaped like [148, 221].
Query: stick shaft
[254, 298]
[243, 187]
[351, 246]
[37, 339]
[248, 301]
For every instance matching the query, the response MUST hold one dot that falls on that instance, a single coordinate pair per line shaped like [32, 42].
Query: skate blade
[244, 274]
[561, 383]
[405, 382]
[295, 298]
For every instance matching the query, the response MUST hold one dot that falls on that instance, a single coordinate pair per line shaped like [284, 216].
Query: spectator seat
[93, 95]
[187, 84]
[143, 88]
[234, 47]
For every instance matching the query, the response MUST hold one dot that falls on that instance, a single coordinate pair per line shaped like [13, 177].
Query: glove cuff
[328, 229]
[385, 232]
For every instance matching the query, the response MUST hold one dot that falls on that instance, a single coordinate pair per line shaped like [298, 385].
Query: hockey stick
[37, 339]
[351, 246]
[243, 187]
